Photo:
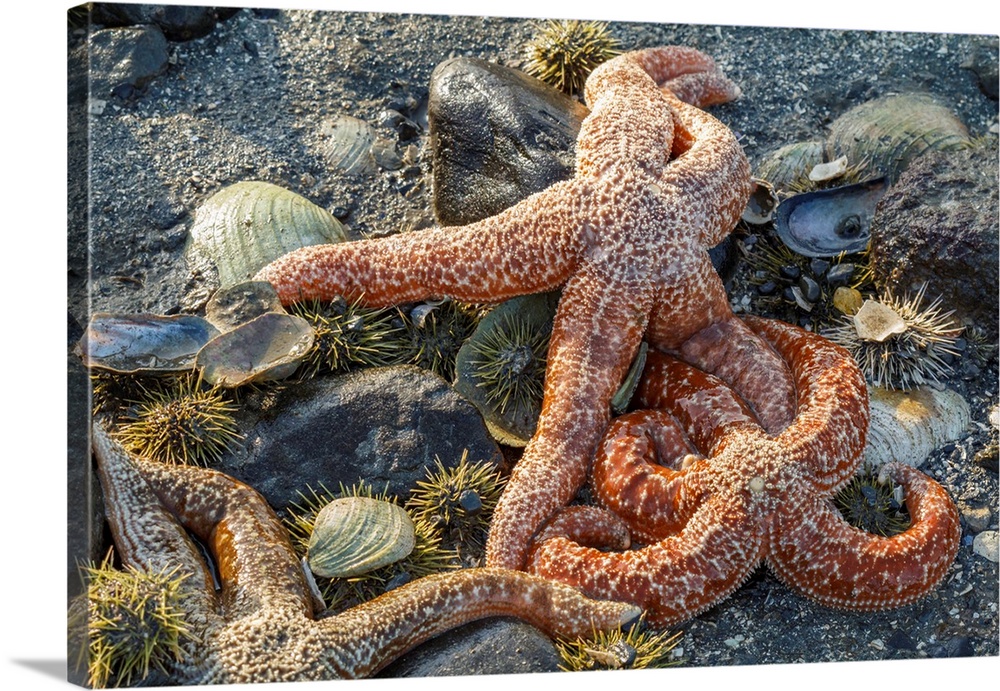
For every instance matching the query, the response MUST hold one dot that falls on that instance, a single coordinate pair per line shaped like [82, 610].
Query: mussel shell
[243, 227]
[267, 348]
[907, 426]
[355, 535]
[889, 132]
[828, 222]
[129, 343]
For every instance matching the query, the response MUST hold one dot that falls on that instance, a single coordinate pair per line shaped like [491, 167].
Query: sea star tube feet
[657, 183]
[755, 497]
[261, 625]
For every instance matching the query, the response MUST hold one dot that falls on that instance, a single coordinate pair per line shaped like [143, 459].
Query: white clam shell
[877, 322]
[355, 535]
[907, 426]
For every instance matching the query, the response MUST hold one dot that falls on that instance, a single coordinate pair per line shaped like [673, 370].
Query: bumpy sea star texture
[261, 625]
[711, 495]
[657, 183]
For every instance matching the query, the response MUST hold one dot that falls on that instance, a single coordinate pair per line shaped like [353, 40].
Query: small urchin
[897, 343]
[187, 423]
[458, 501]
[635, 648]
[873, 505]
[436, 331]
[135, 622]
[508, 363]
[350, 336]
[563, 53]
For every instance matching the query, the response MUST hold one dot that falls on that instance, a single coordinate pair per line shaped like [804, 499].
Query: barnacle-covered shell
[887, 133]
[267, 348]
[790, 163]
[243, 227]
[829, 222]
[129, 343]
[355, 535]
[908, 425]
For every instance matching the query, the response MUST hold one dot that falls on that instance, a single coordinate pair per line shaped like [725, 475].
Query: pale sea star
[260, 626]
[626, 238]
[728, 495]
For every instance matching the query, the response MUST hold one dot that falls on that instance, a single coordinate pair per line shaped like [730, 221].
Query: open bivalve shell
[907, 426]
[267, 348]
[355, 535]
[131, 343]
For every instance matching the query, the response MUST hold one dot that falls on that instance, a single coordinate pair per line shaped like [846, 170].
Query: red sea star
[626, 238]
[261, 626]
[736, 496]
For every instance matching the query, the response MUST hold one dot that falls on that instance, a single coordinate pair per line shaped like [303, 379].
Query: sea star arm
[641, 474]
[257, 566]
[529, 248]
[148, 537]
[674, 579]
[831, 427]
[407, 616]
[827, 559]
[595, 334]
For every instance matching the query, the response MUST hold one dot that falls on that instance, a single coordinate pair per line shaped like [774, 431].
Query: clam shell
[346, 145]
[355, 535]
[243, 227]
[828, 222]
[761, 205]
[266, 348]
[908, 426]
[890, 132]
[129, 343]
[877, 322]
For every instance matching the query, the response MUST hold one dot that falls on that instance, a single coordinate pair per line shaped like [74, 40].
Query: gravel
[245, 103]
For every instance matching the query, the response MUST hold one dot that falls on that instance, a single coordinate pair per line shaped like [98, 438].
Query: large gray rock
[492, 646]
[937, 225]
[125, 59]
[178, 22]
[383, 426]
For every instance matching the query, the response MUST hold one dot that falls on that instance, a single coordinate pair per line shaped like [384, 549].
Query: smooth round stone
[383, 425]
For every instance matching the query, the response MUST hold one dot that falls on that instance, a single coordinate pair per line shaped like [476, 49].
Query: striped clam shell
[355, 535]
[907, 426]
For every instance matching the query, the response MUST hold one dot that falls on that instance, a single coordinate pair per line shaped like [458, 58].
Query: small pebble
[985, 545]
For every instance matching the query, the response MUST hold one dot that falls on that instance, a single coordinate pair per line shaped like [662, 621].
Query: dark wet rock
[983, 63]
[383, 425]
[178, 22]
[125, 57]
[493, 646]
[498, 135]
[938, 225]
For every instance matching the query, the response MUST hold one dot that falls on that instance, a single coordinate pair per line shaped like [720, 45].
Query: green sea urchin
[349, 336]
[636, 648]
[436, 332]
[872, 506]
[898, 344]
[509, 363]
[135, 622]
[185, 423]
[564, 53]
[458, 501]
